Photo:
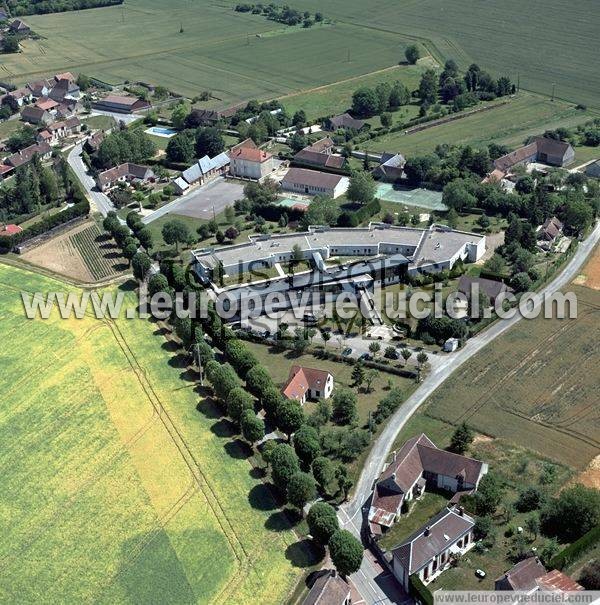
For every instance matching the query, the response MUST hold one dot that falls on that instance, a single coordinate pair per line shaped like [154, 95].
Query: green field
[509, 124]
[118, 483]
[535, 386]
[542, 42]
[337, 98]
[218, 51]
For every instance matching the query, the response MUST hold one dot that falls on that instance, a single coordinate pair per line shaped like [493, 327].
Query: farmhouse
[39, 88]
[20, 96]
[313, 182]
[308, 383]
[550, 230]
[205, 117]
[391, 167]
[320, 154]
[343, 121]
[539, 149]
[250, 162]
[92, 143]
[36, 115]
[329, 589]
[26, 155]
[128, 172]
[417, 465]
[121, 104]
[19, 27]
[47, 104]
[64, 89]
[54, 133]
[429, 551]
[530, 576]
[205, 169]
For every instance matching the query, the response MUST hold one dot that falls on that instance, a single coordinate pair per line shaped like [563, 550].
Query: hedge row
[419, 592]
[571, 552]
[354, 219]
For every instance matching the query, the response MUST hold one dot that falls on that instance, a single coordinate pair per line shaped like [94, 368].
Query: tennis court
[422, 198]
[289, 202]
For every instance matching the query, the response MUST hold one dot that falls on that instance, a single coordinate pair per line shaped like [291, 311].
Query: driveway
[99, 199]
[203, 202]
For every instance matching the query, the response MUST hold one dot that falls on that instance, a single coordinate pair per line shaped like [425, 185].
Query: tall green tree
[346, 552]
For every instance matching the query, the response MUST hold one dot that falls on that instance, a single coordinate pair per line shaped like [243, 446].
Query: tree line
[19, 8]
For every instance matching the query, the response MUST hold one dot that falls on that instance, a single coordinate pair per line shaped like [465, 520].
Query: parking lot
[203, 202]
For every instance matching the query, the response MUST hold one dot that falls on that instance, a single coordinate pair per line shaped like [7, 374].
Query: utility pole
[348, 59]
[553, 88]
[518, 82]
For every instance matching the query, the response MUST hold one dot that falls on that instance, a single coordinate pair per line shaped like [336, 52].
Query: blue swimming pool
[161, 131]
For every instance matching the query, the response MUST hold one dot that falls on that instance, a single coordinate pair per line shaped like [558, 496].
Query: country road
[367, 579]
[99, 199]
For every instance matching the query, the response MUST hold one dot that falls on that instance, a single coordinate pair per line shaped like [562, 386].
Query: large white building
[314, 182]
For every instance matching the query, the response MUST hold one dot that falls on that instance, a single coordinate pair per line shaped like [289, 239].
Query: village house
[19, 27]
[5, 171]
[250, 162]
[320, 154]
[121, 104]
[344, 121]
[548, 233]
[429, 551]
[593, 170]
[329, 589]
[39, 88]
[313, 182]
[202, 171]
[530, 576]
[21, 96]
[92, 143]
[490, 287]
[54, 133]
[64, 89]
[36, 115]
[417, 466]
[10, 229]
[20, 158]
[124, 173]
[391, 167]
[47, 104]
[308, 383]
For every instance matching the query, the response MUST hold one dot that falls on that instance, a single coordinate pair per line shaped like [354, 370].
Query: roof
[345, 120]
[392, 160]
[516, 157]
[10, 229]
[203, 166]
[181, 183]
[95, 139]
[328, 589]
[522, 576]
[4, 169]
[26, 155]
[551, 146]
[491, 288]
[593, 169]
[127, 101]
[31, 112]
[322, 145]
[326, 160]
[311, 178]
[250, 154]
[46, 104]
[440, 533]
[124, 170]
[19, 25]
[556, 580]
[417, 456]
[552, 227]
[67, 75]
[302, 379]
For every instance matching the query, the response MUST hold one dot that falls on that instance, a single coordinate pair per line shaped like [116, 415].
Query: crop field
[96, 252]
[508, 124]
[118, 483]
[542, 42]
[236, 56]
[535, 386]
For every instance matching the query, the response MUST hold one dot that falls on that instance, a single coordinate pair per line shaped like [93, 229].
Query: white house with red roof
[308, 383]
[247, 161]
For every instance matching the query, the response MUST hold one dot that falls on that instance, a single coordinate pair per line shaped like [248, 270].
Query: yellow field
[114, 487]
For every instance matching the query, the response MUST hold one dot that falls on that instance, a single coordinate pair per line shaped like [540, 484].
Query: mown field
[509, 124]
[237, 56]
[117, 485]
[542, 42]
[535, 386]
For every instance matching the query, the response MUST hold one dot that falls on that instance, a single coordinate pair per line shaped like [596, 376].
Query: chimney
[461, 511]
[426, 532]
[394, 476]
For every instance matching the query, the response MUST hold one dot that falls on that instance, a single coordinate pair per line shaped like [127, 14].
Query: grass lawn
[421, 510]
[8, 127]
[584, 154]
[99, 122]
[510, 124]
[115, 496]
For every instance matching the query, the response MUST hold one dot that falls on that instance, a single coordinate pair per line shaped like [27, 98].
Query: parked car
[347, 352]
[366, 357]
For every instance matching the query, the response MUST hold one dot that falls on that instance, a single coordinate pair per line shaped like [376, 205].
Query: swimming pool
[161, 131]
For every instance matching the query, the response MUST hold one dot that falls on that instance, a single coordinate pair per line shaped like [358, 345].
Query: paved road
[202, 202]
[351, 513]
[100, 200]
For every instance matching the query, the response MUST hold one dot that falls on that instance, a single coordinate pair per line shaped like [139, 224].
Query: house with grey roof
[593, 170]
[329, 589]
[539, 149]
[127, 172]
[36, 115]
[205, 169]
[343, 121]
[417, 466]
[314, 182]
[429, 551]
[391, 167]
